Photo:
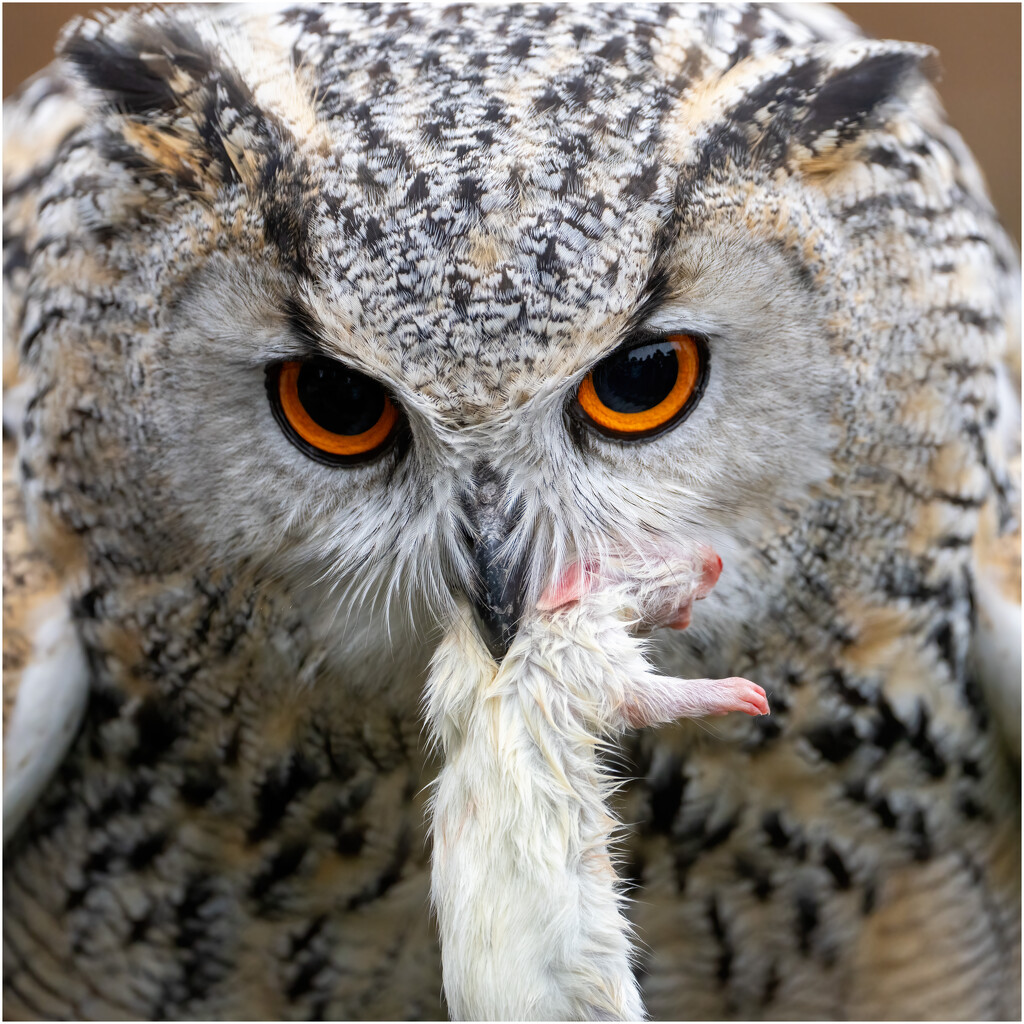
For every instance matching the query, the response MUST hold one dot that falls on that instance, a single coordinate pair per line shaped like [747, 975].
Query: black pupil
[339, 399]
[638, 379]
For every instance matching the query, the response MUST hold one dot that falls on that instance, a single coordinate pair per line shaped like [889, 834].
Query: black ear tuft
[171, 96]
[133, 62]
[176, 109]
[120, 74]
[820, 97]
[849, 95]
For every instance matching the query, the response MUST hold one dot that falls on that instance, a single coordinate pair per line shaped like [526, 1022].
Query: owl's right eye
[330, 412]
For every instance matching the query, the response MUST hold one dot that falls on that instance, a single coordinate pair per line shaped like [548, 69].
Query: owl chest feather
[227, 843]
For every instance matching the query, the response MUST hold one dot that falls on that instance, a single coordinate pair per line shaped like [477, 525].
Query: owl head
[389, 305]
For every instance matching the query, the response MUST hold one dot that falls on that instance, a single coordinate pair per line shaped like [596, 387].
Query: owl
[341, 340]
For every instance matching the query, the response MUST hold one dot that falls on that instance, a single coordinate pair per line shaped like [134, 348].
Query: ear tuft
[177, 104]
[817, 98]
[859, 79]
[132, 63]
[174, 107]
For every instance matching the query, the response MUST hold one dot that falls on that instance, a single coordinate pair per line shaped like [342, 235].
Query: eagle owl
[323, 325]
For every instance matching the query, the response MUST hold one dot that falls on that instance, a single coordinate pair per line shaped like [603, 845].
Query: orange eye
[330, 412]
[643, 390]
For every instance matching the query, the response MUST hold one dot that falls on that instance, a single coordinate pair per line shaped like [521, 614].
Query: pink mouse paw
[736, 694]
[575, 583]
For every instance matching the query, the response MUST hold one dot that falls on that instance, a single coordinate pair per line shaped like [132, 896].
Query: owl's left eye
[642, 390]
[330, 412]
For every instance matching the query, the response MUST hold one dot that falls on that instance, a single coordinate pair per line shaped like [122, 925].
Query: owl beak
[498, 594]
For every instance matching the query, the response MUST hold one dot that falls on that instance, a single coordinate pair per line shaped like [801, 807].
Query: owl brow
[307, 329]
[654, 295]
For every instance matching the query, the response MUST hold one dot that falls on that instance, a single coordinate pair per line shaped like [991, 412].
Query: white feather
[995, 650]
[996, 643]
[47, 713]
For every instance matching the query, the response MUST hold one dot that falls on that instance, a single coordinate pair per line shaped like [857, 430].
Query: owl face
[429, 322]
[755, 426]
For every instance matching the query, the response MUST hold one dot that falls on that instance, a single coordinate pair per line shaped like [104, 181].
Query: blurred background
[979, 48]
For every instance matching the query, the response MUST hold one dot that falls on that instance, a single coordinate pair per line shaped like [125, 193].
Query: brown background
[979, 46]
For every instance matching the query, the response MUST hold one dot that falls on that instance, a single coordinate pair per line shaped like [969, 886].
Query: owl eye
[645, 389]
[330, 412]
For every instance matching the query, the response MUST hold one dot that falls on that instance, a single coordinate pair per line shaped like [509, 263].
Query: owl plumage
[224, 813]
